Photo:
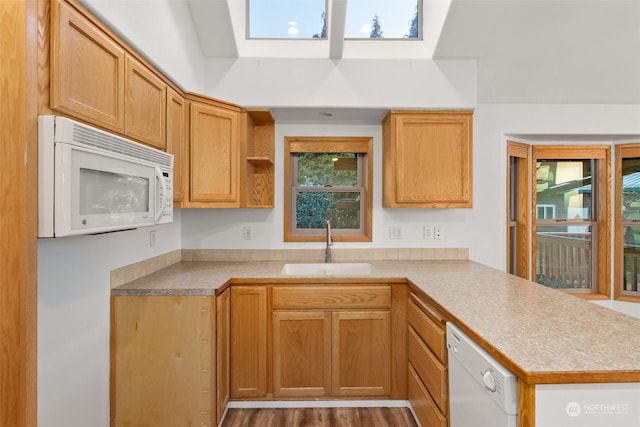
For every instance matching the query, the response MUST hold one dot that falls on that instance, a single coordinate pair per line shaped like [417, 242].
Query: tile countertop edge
[496, 309]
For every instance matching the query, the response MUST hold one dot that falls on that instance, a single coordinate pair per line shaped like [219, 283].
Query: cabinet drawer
[423, 406]
[331, 297]
[432, 333]
[429, 369]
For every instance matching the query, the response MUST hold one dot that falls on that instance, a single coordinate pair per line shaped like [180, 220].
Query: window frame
[601, 237]
[631, 150]
[518, 222]
[331, 144]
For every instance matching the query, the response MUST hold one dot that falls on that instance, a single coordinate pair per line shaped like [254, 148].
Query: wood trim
[523, 153]
[622, 151]
[18, 213]
[222, 352]
[334, 144]
[327, 145]
[602, 240]
[570, 151]
[526, 404]
[399, 357]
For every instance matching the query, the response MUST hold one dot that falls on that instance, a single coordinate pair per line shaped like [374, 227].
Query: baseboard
[319, 404]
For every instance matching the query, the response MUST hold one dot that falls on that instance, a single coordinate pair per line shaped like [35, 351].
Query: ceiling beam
[337, 19]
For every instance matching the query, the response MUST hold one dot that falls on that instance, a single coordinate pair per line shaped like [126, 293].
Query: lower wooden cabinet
[361, 348]
[301, 353]
[223, 352]
[423, 405]
[331, 341]
[427, 372]
[162, 361]
[248, 341]
[179, 360]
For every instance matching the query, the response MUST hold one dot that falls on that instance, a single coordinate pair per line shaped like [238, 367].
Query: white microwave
[91, 181]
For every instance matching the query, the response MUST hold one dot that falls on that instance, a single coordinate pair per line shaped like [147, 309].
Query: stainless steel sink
[327, 269]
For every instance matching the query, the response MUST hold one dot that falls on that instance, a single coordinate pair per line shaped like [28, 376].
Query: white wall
[222, 228]
[73, 319]
[161, 31]
[360, 83]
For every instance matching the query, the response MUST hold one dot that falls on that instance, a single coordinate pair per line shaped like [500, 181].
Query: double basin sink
[327, 269]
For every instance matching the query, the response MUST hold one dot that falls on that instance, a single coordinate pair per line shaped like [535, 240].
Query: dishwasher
[482, 392]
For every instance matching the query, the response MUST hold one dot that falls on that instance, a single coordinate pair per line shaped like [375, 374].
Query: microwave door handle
[163, 202]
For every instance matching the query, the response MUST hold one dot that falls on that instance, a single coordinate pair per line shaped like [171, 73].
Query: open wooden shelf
[259, 159]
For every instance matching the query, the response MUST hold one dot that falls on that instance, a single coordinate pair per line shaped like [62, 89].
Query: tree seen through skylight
[305, 19]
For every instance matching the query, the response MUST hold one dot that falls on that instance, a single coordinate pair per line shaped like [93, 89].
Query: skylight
[309, 19]
[274, 19]
[387, 19]
[280, 29]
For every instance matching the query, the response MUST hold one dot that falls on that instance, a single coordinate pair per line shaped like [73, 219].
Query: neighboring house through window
[570, 237]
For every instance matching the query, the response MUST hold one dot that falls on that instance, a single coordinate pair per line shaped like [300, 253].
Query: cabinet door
[423, 405]
[161, 356]
[248, 341]
[214, 155]
[301, 353]
[145, 104]
[176, 133]
[87, 70]
[361, 353]
[427, 159]
[223, 341]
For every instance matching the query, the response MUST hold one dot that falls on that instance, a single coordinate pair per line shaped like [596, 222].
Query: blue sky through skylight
[395, 17]
[303, 18]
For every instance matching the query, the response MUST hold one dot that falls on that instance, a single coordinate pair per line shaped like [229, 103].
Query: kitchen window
[627, 218]
[328, 179]
[571, 246]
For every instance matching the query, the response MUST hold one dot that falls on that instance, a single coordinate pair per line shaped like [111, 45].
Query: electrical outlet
[428, 232]
[247, 232]
[152, 238]
[437, 233]
[395, 232]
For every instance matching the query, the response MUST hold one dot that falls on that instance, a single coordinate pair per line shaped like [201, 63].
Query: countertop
[542, 335]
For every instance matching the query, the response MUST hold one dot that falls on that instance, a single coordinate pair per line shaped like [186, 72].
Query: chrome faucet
[327, 250]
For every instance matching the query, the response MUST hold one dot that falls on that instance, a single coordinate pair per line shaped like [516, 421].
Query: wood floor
[325, 417]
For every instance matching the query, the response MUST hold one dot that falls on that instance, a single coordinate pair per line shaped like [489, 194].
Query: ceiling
[528, 51]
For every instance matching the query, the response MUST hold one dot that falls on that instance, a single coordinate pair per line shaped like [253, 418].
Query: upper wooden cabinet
[87, 70]
[427, 159]
[96, 78]
[258, 155]
[230, 156]
[223, 154]
[214, 153]
[176, 139]
[145, 104]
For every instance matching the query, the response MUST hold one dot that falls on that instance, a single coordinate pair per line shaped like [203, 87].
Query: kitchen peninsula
[544, 336]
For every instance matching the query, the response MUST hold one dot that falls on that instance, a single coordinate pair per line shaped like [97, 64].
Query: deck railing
[563, 260]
